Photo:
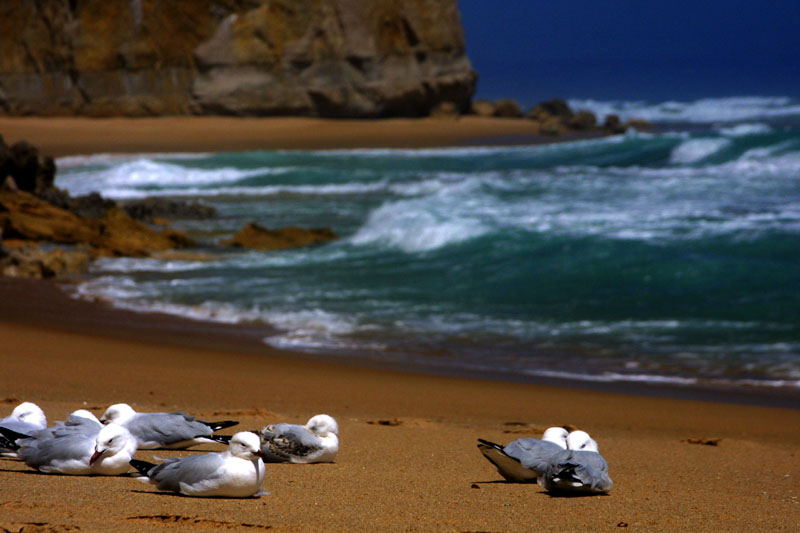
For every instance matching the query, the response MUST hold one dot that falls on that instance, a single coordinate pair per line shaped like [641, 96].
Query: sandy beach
[71, 136]
[408, 459]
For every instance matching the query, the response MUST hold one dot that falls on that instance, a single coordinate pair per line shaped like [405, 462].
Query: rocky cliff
[332, 58]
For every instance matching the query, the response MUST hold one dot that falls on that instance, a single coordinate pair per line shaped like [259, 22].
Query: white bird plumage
[238, 472]
[315, 442]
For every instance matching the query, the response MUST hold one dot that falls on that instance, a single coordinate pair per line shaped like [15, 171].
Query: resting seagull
[237, 472]
[25, 419]
[172, 431]
[316, 442]
[578, 469]
[524, 460]
[104, 451]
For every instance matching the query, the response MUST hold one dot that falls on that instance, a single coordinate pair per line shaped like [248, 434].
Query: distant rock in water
[259, 238]
[151, 209]
[338, 58]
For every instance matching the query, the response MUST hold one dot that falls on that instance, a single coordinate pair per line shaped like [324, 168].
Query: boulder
[613, 125]
[445, 110]
[32, 262]
[24, 216]
[151, 209]
[483, 108]
[6, 160]
[256, 237]
[582, 120]
[638, 124]
[25, 165]
[507, 108]
[120, 235]
[555, 107]
[90, 205]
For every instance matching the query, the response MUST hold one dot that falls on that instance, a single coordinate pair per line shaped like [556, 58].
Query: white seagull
[237, 472]
[104, 451]
[524, 460]
[25, 419]
[316, 442]
[578, 469]
[172, 431]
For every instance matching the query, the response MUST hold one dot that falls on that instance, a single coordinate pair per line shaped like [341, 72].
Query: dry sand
[408, 459]
[69, 136]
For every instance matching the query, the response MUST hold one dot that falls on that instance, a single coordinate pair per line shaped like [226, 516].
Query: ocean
[664, 257]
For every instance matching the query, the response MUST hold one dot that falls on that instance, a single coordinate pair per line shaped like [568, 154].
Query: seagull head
[556, 435]
[112, 440]
[30, 413]
[245, 444]
[580, 440]
[83, 413]
[322, 425]
[119, 413]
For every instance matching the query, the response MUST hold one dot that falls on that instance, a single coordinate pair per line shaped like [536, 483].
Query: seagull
[80, 421]
[524, 460]
[172, 431]
[238, 472]
[25, 419]
[316, 442]
[106, 451]
[578, 469]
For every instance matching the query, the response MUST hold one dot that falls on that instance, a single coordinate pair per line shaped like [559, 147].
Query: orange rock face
[339, 58]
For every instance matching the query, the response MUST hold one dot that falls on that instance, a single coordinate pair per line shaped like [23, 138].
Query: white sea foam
[142, 177]
[742, 130]
[695, 150]
[108, 159]
[704, 111]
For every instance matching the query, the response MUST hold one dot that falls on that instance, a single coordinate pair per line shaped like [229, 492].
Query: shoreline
[64, 136]
[44, 304]
[408, 459]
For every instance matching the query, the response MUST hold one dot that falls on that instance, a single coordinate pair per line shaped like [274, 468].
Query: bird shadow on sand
[171, 494]
[552, 494]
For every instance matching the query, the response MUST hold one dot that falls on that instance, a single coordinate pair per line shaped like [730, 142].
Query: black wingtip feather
[8, 444]
[222, 424]
[143, 467]
[222, 439]
[490, 443]
[13, 436]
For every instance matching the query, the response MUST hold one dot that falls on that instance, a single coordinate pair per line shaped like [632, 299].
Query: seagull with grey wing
[524, 460]
[315, 442]
[238, 472]
[25, 419]
[578, 469]
[172, 431]
[92, 450]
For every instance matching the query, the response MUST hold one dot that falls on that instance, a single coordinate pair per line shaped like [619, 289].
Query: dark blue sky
[633, 49]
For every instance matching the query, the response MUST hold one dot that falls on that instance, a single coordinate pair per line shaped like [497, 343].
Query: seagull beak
[95, 456]
[103, 421]
[259, 453]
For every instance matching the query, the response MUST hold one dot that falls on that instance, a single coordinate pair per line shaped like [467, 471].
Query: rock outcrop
[257, 237]
[26, 217]
[333, 58]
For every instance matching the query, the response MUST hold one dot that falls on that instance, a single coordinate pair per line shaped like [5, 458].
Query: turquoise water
[665, 257]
